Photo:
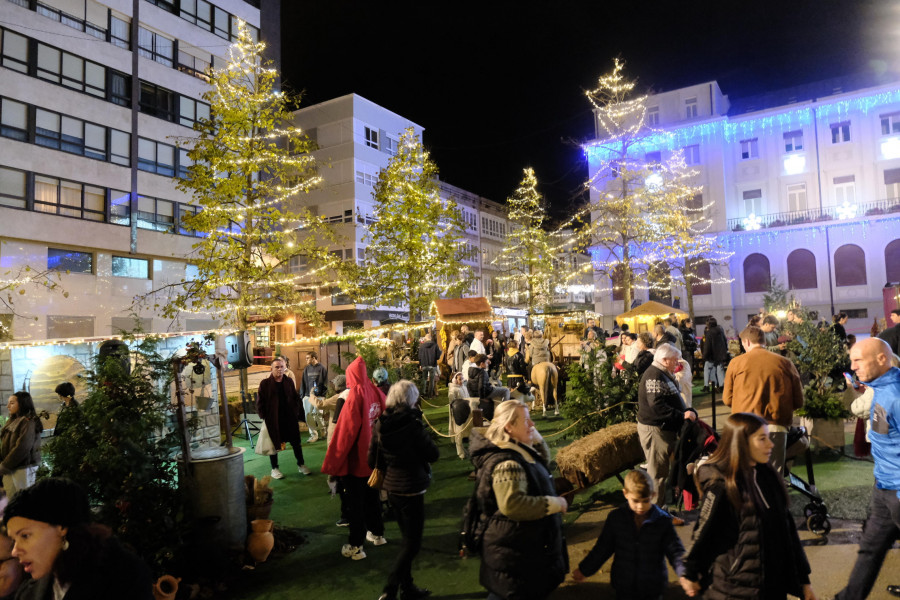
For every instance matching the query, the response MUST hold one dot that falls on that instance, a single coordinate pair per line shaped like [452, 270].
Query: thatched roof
[462, 309]
[652, 309]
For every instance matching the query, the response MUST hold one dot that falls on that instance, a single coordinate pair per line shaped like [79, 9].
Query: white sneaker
[353, 552]
[377, 540]
[276, 474]
[313, 438]
[305, 470]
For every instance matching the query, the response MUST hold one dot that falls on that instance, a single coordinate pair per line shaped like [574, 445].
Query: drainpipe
[135, 110]
[821, 209]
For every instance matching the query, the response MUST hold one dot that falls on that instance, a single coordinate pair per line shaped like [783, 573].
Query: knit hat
[339, 383]
[380, 375]
[55, 500]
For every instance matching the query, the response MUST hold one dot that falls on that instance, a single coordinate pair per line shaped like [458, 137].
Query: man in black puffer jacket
[479, 386]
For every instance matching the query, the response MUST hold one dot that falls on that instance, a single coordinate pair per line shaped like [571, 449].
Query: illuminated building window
[749, 149]
[840, 132]
[797, 196]
[793, 141]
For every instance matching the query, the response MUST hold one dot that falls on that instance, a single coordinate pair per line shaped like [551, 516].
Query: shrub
[599, 394]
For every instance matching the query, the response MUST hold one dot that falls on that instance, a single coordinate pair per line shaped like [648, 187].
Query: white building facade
[92, 103]
[804, 186]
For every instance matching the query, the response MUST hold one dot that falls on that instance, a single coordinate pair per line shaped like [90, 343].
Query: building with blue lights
[804, 186]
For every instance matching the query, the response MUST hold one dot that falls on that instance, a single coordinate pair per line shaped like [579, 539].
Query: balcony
[816, 215]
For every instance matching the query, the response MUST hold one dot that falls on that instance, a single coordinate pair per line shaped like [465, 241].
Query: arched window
[700, 285]
[801, 267]
[757, 274]
[892, 261]
[849, 266]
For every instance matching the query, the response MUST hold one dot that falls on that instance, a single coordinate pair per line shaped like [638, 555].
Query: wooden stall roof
[652, 309]
[461, 309]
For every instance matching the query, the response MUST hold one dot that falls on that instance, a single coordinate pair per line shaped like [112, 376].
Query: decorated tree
[248, 165]
[414, 248]
[600, 395]
[622, 223]
[526, 260]
[689, 256]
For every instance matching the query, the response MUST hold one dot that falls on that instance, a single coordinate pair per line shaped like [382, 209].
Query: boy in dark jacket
[641, 536]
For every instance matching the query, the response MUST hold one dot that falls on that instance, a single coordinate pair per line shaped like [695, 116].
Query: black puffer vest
[521, 560]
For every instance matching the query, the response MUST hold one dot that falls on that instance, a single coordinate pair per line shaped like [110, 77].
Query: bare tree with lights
[414, 248]
[622, 224]
[526, 260]
[17, 283]
[248, 164]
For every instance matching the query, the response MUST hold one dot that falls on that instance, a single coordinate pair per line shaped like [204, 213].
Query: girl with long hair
[745, 544]
[20, 444]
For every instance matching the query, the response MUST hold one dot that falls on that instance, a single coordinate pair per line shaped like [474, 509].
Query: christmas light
[752, 222]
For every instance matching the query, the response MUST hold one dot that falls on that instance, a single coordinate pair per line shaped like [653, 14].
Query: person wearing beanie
[381, 379]
[67, 556]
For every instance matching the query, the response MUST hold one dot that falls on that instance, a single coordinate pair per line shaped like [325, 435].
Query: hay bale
[599, 455]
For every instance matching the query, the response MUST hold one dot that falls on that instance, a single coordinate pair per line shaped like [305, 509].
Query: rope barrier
[596, 412]
[451, 436]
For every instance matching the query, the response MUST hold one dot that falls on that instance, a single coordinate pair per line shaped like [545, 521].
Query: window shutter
[382, 140]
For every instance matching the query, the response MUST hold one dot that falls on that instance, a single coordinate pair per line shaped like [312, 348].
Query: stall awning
[462, 309]
[651, 309]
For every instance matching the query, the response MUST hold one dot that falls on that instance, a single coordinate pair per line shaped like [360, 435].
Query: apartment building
[804, 185]
[94, 97]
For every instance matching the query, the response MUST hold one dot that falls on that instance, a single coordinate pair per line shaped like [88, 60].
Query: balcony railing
[816, 215]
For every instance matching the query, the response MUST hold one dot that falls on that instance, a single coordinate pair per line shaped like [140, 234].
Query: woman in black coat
[402, 448]
[715, 354]
[745, 544]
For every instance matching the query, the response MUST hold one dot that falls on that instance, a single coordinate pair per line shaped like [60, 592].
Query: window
[653, 116]
[136, 268]
[156, 47]
[692, 154]
[157, 101]
[155, 214]
[891, 259]
[122, 325]
[845, 189]
[120, 147]
[390, 145]
[793, 141]
[890, 124]
[797, 197]
[192, 111]
[749, 149]
[190, 63]
[120, 32]
[119, 88]
[801, 270]
[166, 5]
[156, 157]
[119, 207]
[757, 276]
[70, 135]
[700, 282]
[71, 71]
[690, 108]
[12, 188]
[15, 51]
[892, 183]
[856, 313]
[59, 327]
[840, 132]
[48, 63]
[364, 178]
[70, 261]
[753, 202]
[186, 210]
[184, 162]
[13, 120]
[221, 23]
[849, 266]
[371, 137]
[198, 12]
[69, 198]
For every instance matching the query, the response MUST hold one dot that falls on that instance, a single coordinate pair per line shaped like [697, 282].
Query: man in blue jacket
[871, 359]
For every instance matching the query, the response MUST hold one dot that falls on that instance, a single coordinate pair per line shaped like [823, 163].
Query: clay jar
[260, 541]
[166, 587]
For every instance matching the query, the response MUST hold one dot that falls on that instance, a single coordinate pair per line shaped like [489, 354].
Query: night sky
[499, 86]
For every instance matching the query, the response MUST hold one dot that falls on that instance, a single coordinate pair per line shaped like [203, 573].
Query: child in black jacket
[642, 537]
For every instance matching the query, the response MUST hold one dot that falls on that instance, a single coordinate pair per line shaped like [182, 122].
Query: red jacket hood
[356, 373]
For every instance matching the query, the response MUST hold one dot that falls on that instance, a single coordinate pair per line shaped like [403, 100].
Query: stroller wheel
[811, 509]
[818, 524]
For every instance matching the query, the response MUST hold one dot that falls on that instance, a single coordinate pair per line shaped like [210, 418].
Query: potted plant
[823, 414]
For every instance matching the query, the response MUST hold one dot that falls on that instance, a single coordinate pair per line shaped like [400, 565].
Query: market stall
[643, 317]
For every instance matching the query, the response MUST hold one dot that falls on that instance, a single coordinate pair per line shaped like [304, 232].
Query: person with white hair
[661, 413]
[402, 448]
[516, 495]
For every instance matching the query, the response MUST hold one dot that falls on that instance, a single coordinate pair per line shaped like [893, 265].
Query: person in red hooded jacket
[346, 458]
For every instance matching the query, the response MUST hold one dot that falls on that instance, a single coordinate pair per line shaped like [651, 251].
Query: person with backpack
[514, 518]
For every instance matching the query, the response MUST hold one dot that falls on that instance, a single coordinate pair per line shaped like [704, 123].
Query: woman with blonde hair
[524, 553]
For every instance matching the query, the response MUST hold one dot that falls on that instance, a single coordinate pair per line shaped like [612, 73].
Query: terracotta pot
[261, 541]
[259, 511]
[166, 587]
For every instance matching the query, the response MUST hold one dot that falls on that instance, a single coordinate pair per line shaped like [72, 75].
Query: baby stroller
[696, 442]
[815, 510]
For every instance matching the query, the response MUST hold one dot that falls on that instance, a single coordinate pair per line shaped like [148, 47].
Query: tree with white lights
[622, 223]
[248, 164]
[414, 247]
[17, 283]
[526, 260]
